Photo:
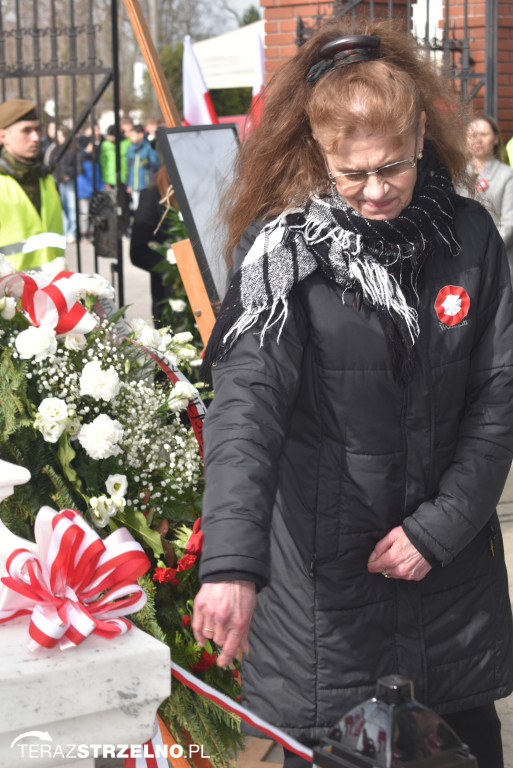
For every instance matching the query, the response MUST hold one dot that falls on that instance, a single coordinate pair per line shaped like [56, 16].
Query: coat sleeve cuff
[213, 578]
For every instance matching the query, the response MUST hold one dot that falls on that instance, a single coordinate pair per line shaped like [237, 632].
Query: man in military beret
[31, 229]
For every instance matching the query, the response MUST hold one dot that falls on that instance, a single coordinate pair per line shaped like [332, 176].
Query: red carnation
[205, 661]
[195, 543]
[186, 620]
[185, 562]
[166, 575]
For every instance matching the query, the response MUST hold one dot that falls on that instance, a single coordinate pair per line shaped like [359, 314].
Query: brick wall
[281, 24]
[281, 18]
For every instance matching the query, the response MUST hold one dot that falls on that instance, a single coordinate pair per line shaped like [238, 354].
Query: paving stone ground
[137, 294]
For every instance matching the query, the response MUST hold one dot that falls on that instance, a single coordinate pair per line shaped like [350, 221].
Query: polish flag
[198, 107]
[257, 101]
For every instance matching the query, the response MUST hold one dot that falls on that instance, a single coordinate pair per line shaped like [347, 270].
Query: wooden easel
[253, 756]
[184, 254]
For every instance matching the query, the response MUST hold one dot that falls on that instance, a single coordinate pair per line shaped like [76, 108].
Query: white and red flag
[198, 107]
[258, 83]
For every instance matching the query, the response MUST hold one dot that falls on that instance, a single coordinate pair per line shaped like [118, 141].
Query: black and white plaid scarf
[377, 260]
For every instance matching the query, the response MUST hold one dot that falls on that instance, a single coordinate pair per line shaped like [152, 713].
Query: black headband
[342, 51]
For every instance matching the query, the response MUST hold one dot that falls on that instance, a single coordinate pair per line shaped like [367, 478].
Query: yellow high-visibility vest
[28, 239]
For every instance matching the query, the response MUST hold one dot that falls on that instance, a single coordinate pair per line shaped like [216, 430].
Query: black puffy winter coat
[314, 453]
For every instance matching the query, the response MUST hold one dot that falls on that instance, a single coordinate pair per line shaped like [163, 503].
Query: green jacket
[108, 161]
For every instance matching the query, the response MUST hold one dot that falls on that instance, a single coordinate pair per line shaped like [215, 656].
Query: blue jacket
[85, 186]
[143, 161]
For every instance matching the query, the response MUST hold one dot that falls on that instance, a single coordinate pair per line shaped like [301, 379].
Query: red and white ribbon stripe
[53, 304]
[196, 409]
[153, 753]
[71, 582]
[230, 705]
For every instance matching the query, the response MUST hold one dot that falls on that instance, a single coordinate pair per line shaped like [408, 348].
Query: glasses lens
[395, 169]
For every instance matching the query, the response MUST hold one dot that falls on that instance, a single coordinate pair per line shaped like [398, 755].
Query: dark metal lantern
[392, 730]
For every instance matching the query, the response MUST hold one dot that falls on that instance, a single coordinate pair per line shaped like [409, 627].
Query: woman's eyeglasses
[355, 178]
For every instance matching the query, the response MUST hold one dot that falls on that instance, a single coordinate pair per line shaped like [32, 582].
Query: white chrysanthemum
[116, 485]
[177, 305]
[36, 342]
[100, 438]
[99, 383]
[75, 341]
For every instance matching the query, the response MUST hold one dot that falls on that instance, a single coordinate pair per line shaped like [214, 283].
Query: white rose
[73, 427]
[177, 305]
[51, 430]
[184, 389]
[180, 396]
[36, 342]
[52, 268]
[100, 438]
[52, 418]
[53, 409]
[98, 383]
[186, 354]
[92, 285]
[116, 485]
[75, 341]
[6, 268]
[144, 333]
[7, 307]
[102, 509]
[182, 338]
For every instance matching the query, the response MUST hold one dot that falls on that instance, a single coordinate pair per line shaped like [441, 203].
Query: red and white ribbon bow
[71, 582]
[54, 305]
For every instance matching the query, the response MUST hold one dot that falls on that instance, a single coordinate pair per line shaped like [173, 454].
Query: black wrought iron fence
[63, 54]
[454, 47]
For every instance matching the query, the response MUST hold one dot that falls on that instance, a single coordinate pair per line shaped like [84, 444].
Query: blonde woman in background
[493, 178]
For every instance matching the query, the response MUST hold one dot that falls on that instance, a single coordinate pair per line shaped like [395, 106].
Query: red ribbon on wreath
[71, 582]
[53, 304]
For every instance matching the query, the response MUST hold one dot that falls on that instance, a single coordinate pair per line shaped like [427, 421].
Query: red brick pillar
[505, 67]
[281, 17]
[483, 47]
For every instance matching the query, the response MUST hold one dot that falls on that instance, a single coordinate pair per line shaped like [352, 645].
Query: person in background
[66, 169]
[108, 170]
[49, 138]
[88, 181]
[31, 227]
[149, 226]
[143, 163]
[151, 126]
[492, 176]
[361, 430]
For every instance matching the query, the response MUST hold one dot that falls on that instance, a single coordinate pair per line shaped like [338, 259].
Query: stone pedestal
[105, 692]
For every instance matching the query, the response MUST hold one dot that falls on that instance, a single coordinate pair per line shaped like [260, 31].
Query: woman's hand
[396, 557]
[222, 613]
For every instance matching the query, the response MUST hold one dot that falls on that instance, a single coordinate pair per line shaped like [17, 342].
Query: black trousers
[479, 729]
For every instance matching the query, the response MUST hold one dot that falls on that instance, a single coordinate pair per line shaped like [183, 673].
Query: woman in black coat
[149, 226]
[361, 431]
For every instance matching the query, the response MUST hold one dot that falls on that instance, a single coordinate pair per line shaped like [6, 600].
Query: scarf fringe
[380, 289]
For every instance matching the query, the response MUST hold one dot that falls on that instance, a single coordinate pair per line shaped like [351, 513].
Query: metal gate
[453, 47]
[52, 52]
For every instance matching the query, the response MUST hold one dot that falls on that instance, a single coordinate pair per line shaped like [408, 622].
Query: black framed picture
[199, 160]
